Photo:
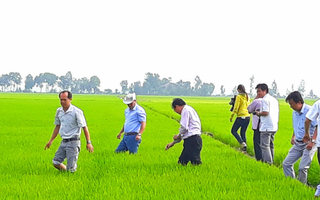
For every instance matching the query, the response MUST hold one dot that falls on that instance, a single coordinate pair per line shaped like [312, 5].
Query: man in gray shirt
[68, 120]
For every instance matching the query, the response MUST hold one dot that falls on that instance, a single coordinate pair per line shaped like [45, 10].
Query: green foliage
[153, 173]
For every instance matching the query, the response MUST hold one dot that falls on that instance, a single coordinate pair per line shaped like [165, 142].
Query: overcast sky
[223, 42]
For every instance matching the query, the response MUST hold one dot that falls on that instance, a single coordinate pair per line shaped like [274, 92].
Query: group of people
[69, 120]
[265, 110]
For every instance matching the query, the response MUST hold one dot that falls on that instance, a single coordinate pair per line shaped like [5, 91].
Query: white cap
[129, 98]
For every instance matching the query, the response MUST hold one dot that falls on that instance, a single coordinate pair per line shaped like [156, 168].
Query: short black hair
[263, 87]
[69, 94]
[177, 102]
[295, 96]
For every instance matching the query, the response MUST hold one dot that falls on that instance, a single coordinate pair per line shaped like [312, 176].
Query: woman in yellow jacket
[243, 117]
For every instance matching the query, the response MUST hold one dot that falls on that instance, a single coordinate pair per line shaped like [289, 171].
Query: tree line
[49, 82]
[152, 85]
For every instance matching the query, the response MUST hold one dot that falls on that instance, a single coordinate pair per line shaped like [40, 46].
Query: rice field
[27, 173]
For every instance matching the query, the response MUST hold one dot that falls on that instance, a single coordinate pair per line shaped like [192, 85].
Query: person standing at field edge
[189, 131]
[253, 108]
[243, 117]
[134, 125]
[68, 122]
[269, 117]
[313, 114]
[302, 150]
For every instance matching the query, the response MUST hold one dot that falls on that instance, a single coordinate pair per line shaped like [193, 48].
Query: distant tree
[95, 84]
[251, 85]
[206, 89]
[15, 79]
[136, 87]
[39, 81]
[124, 86]
[81, 85]
[85, 87]
[50, 79]
[4, 82]
[198, 83]
[166, 81]
[301, 87]
[152, 84]
[311, 94]
[75, 87]
[223, 90]
[66, 81]
[29, 83]
[182, 88]
[274, 89]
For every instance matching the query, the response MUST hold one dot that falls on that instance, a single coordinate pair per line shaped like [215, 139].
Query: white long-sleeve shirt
[190, 123]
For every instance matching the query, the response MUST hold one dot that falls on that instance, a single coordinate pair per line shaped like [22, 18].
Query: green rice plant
[226, 173]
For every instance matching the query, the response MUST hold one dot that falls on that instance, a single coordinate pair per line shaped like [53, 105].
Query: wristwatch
[313, 141]
[89, 142]
[139, 134]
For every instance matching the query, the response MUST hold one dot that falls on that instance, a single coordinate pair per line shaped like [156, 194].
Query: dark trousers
[256, 144]
[191, 150]
[243, 124]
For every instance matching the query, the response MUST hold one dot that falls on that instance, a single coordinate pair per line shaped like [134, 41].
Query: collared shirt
[70, 122]
[269, 123]
[313, 114]
[240, 106]
[298, 119]
[190, 123]
[134, 118]
[255, 106]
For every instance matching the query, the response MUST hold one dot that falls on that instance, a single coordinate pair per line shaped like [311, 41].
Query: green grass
[27, 171]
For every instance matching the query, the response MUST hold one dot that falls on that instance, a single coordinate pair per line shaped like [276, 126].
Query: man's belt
[131, 133]
[70, 139]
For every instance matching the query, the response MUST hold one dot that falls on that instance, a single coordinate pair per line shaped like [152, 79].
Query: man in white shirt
[189, 131]
[269, 116]
[68, 120]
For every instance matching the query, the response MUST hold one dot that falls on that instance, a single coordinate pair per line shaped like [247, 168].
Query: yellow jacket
[241, 105]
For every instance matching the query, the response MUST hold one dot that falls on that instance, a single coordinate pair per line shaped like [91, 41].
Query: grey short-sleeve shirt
[70, 122]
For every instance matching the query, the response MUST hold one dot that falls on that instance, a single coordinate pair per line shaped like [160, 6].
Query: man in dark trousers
[190, 131]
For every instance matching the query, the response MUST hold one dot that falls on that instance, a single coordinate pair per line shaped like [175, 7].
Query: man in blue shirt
[300, 149]
[134, 126]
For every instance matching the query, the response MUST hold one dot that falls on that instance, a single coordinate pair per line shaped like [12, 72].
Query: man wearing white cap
[134, 125]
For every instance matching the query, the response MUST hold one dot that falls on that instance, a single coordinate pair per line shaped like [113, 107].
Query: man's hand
[47, 145]
[171, 144]
[306, 138]
[309, 145]
[119, 136]
[138, 137]
[293, 139]
[90, 148]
